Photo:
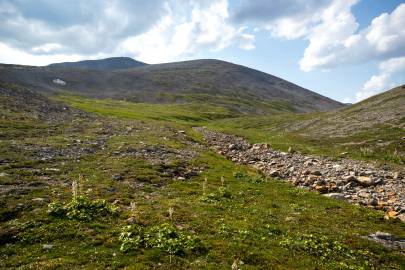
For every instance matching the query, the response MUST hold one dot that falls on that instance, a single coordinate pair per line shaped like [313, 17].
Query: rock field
[357, 182]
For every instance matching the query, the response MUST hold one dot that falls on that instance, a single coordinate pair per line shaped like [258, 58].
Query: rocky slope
[209, 81]
[354, 181]
[25, 103]
[385, 109]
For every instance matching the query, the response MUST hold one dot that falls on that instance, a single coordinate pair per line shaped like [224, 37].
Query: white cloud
[381, 82]
[10, 55]
[82, 27]
[335, 40]
[328, 38]
[176, 38]
[47, 48]
[152, 31]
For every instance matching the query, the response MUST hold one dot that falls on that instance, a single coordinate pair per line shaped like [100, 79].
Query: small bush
[245, 177]
[82, 208]
[239, 175]
[165, 237]
[222, 194]
[328, 250]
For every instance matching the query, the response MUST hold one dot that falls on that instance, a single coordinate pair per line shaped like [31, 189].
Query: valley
[114, 180]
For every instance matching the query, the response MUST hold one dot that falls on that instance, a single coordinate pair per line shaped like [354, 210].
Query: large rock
[365, 181]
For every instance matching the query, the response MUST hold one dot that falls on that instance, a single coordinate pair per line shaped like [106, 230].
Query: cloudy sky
[344, 49]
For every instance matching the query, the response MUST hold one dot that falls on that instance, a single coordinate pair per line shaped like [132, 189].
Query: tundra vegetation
[134, 186]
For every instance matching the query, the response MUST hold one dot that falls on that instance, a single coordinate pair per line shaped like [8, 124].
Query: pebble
[47, 246]
[337, 196]
[388, 240]
[118, 177]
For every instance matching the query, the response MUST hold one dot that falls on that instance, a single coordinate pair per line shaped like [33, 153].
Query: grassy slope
[372, 129]
[251, 225]
[273, 128]
[215, 81]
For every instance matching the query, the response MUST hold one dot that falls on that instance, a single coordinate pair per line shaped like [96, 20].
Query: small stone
[318, 173]
[118, 177]
[350, 178]
[379, 181]
[52, 169]
[336, 196]
[312, 178]
[39, 200]
[320, 182]
[401, 217]
[289, 219]
[373, 202]
[232, 146]
[131, 220]
[364, 194]
[274, 173]
[392, 214]
[47, 246]
[321, 189]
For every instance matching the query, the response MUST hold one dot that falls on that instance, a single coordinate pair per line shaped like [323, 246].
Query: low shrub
[165, 237]
[328, 250]
[245, 177]
[82, 208]
[221, 194]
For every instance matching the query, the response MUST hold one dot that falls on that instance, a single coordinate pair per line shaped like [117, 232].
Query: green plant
[326, 249]
[82, 208]
[222, 194]
[165, 237]
[245, 177]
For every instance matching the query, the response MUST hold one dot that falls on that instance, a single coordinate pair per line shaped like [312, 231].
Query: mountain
[210, 81]
[379, 112]
[113, 63]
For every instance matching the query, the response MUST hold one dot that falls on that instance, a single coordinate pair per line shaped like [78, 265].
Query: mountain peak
[111, 63]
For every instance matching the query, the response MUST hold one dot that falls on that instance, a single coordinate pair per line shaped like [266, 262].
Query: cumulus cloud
[334, 36]
[152, 30]
[289, 19]
[335, 41]
[173, 39]
[82, 27]
[11, 55]
[381, 81]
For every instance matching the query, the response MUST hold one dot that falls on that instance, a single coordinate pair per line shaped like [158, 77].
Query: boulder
[337, 196]
[274, 173]
[365, 181]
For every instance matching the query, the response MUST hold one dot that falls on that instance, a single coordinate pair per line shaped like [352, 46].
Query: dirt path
[354, 181]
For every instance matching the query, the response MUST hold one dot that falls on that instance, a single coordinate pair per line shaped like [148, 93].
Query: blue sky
[344, 49]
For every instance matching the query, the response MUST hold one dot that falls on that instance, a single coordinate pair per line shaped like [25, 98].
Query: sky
[347, 50]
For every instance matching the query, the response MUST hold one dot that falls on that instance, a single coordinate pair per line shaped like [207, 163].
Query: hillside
[108, 64]
[383, 109]
[130, 185]
[372, 129]
[210, 81]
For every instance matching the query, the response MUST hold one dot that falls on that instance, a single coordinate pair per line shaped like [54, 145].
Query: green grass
[270, 128]
[363, 145]
[265, 223]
